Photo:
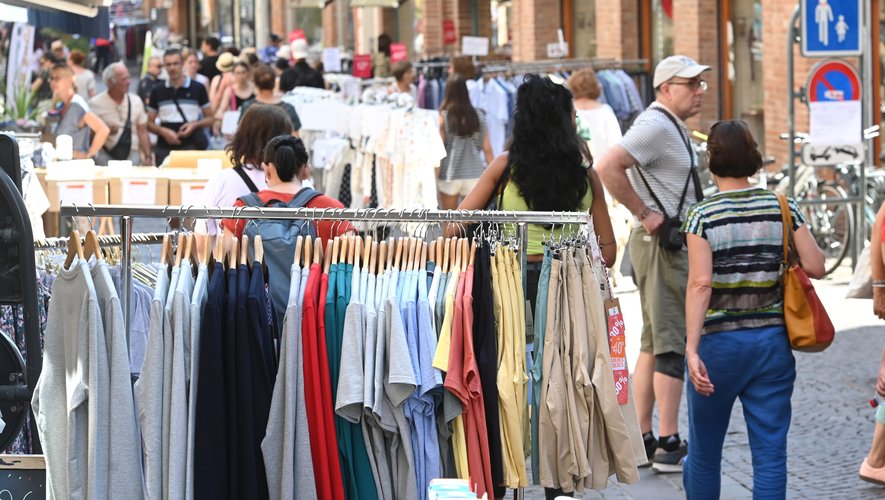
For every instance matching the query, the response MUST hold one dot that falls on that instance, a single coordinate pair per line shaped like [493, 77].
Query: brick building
[744, 40]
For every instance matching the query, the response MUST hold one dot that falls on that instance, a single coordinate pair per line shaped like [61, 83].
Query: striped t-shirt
[745, 233]
[659, 150]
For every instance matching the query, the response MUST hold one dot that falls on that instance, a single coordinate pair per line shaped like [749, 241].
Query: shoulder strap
[787, 222]
[175, 101]
[246, 179]
[251, 200]
[303, 197]
[499, 188]
[129, 111]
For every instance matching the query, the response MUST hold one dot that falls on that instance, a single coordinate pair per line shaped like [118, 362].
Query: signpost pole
[791, 95]
[866, 73]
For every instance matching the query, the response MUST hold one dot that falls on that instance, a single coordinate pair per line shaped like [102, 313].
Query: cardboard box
[138, 191]
[80, 192]
[187, 191]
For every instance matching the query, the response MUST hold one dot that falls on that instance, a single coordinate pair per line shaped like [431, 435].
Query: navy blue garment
[263, 361]
[246, 381]
[485, 350]
[210, 452]
[229, 345]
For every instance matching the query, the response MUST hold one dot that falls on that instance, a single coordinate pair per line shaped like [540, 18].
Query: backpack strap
[251, 200]
[241, 171]
[303, 197]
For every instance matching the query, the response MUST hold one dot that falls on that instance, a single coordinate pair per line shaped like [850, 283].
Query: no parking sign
[835, 113]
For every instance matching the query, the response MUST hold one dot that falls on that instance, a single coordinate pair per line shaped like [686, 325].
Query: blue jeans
[757, 366]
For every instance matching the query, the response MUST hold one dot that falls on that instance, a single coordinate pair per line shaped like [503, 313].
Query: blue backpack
[278, 238]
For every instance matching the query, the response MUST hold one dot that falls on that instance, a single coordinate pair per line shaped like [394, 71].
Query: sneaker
[651, 445]
[670, 461]
[871, 475]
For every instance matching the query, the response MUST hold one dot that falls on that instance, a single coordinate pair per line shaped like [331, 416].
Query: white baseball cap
[299, 48]
[681, 66]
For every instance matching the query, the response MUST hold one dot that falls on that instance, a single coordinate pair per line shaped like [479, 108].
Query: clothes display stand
[128, 213]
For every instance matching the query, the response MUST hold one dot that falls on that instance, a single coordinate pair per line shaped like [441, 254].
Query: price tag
[362, 66]
[75, 193]
[617, 341]
[192, 193]
[475, 46]
[398, 52]
[138, 191]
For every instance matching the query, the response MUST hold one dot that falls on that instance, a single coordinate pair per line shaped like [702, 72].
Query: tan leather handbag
[808, 325]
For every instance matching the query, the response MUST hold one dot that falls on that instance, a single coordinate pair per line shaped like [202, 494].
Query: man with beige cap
[653, 172]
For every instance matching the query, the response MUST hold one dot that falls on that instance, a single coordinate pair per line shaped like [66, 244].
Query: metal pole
[866, 78]
[126, 270]
[792, 34]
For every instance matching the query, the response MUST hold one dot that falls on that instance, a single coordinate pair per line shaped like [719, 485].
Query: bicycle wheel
[831, 225]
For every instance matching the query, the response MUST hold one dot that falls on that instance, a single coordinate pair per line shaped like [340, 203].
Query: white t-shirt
[114, 115]
[605, 131]
[224, 188]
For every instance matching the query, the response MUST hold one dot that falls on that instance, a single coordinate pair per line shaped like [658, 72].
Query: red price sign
[362, 66]
[450, 37]
[617, 341]
[398, 52]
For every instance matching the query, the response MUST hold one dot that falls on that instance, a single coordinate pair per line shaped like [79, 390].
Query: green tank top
[513, 200]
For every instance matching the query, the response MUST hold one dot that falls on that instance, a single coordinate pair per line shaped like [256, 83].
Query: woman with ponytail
[285, 167]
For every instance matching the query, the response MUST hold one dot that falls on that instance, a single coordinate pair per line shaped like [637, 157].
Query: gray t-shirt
[464, 155]
[659, 149]
[71, 123]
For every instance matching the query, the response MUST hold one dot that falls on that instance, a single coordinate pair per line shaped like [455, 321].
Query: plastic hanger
[75, 248]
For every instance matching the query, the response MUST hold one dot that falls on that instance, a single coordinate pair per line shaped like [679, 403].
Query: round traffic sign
[833, 80]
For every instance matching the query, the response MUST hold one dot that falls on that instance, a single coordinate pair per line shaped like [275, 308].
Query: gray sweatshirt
[59, 401]
[124, 475]
[149, 392]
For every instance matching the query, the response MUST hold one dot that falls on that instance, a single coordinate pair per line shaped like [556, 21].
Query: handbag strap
[129, 110]
[240, 170]
[175, 101]
[787, 223]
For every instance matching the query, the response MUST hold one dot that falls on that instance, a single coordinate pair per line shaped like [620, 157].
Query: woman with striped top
[736, 343]
[465, 133]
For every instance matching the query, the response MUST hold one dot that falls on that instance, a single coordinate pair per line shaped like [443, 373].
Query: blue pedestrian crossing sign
[831, 28]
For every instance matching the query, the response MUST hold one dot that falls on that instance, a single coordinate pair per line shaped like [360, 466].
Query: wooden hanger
[232, 254]
[91, 246]
[382, 257]
[298, 243]
[308, 251]
[367, 251]
[472, 251]
[317, 250]
[182, 246]
[432, 252]
[166, 251]
[465, 252]
[218, 252]
[439, 251]
[423, 266]
[244, 250]
[336, 246]
[327, 259]
[358, 252]
[373, 254]
[400, 244]
[456, 253]
[75, 248]
[259, 249]
[445, 254]
[204, 248]
[391, 250]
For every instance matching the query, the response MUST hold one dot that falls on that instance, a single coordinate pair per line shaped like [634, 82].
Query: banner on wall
[21, 60]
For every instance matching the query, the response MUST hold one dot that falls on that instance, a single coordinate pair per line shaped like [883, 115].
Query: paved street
[832, 422]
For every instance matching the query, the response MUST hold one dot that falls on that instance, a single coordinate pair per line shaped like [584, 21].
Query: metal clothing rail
[559, 64]
[104, 239]
[127, 212]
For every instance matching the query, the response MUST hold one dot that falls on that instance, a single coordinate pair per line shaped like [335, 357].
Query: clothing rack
[103, 239]
[561, 64]
[128, 212]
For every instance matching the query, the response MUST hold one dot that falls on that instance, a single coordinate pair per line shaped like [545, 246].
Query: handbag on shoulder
[808, 324]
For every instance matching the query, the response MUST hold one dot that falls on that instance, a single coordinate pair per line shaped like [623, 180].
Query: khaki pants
[661, 277]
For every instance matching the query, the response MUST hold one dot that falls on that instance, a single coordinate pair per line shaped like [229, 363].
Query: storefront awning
[13, 14]
[97, 26]
[88, 8]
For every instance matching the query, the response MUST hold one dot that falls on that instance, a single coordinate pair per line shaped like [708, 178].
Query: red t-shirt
[326, 229]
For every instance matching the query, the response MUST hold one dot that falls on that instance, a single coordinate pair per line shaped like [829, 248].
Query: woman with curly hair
[547, 168]
[258, 126]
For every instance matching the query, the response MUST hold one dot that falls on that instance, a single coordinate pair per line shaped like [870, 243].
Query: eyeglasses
[693, 85]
